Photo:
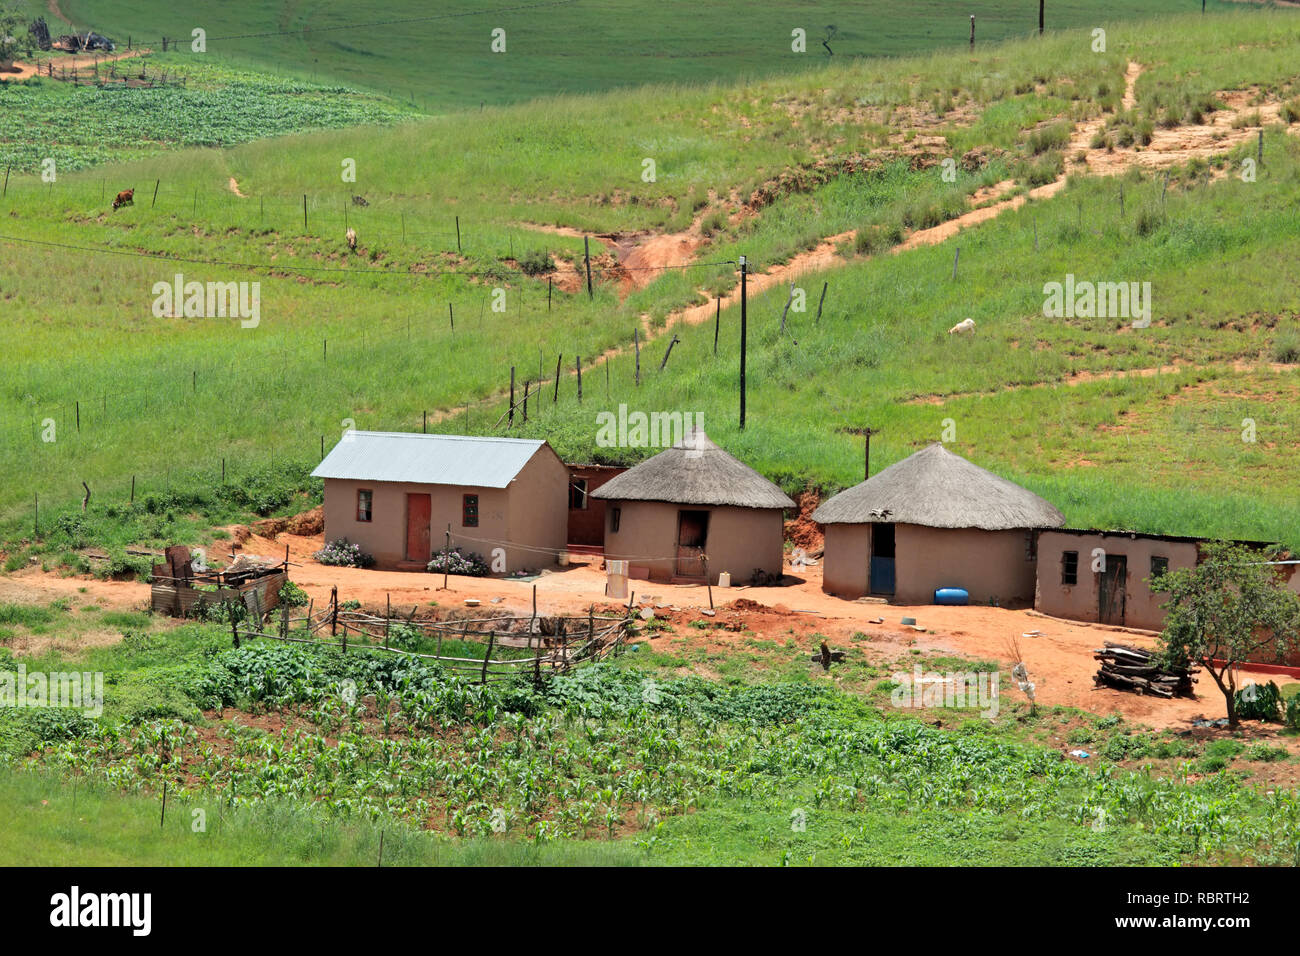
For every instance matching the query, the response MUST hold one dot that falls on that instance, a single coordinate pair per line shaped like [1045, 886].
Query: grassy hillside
[767, 170]
[439, 57]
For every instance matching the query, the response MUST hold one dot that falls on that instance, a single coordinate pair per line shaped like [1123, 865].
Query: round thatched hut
[690, 505]
[931, 521]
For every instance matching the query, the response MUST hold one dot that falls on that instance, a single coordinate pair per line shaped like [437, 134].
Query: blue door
[882, 558]
[882, 575]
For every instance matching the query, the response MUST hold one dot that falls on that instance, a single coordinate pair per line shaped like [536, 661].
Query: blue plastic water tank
[956, 596]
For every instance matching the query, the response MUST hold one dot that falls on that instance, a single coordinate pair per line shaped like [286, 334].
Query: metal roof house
[691, 504]
[399, 494]
[934, 520]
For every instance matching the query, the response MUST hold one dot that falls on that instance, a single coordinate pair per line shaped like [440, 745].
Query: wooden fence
[552, 644]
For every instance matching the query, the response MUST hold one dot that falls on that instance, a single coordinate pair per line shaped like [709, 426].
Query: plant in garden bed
[457, 561]
[293, 595]
[341, 553]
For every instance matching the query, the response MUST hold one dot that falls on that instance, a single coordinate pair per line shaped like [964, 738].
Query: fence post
[492, 636]
[334, 612]
[446, 555]
[586, 254]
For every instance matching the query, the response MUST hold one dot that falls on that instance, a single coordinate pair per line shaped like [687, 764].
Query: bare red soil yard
[1059, 657]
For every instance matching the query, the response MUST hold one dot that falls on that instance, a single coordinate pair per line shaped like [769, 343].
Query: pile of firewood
[1133, 669]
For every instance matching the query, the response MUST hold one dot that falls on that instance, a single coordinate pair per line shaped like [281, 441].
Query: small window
[578, 494]
[364, 501]
[614, 515]
[1159, 567]
[1031, 545]
[469, 511]
[1069, 567]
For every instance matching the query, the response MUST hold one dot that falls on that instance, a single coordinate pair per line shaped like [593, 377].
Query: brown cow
[125, 198]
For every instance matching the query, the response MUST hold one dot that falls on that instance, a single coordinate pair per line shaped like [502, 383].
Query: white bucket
[563, 560]
[724, 579]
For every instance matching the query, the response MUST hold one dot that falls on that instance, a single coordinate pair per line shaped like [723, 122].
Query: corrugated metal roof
[428, 459]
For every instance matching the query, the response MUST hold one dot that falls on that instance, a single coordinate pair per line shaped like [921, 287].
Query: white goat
[962, 327]
[352, 239]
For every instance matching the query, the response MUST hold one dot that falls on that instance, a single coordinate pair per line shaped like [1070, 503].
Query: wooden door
[692, 537]
[1112, 590]
[419, 510]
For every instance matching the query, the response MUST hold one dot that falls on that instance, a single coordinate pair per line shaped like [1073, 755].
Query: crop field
[216, 107]
[589, 767]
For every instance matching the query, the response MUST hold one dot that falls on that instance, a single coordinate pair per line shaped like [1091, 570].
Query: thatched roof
[694, 472]
[938, 489]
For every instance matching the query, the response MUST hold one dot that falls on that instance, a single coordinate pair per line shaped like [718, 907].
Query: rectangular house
[398, 494]
[1108, 576]
[587, 513]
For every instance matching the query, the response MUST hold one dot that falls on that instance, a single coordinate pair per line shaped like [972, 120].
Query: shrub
[121, 566]
[864, 244]
[405, 637]
[1148, 221]
[293, 595]
[1259, 702]
[457, 561]
[339, 553]
[1287, 348]
[1226, 749]
[536, 262]
[1290, 112]
[1053, 136]
[1267, 754]
[713, 223]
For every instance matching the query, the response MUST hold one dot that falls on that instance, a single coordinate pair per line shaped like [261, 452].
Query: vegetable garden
[609, 753]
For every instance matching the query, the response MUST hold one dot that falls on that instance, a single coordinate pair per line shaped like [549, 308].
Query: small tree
[1225, 610]
[9, 39]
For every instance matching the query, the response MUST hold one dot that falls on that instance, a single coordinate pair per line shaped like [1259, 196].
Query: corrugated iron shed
[428, 459]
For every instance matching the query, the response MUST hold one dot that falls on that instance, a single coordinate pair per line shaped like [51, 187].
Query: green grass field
[445, 61]
[368, 338]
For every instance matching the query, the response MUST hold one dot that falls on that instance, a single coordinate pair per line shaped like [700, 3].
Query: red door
[419, 509]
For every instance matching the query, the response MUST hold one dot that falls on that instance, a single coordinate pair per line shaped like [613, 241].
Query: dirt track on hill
[1167, 148]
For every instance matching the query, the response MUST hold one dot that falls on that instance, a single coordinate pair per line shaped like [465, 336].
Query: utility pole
[744, 331]
[866, 458]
